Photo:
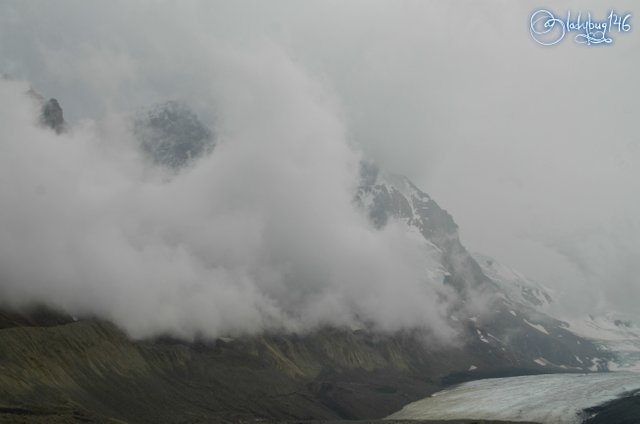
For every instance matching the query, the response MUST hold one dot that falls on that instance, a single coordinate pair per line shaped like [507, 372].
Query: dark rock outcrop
[51, 113]
[625, 410]
[52, 116]
[172, 135]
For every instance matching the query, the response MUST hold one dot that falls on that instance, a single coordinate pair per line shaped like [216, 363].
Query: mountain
[51, 113]
[171, 134]
[512, 325]
[55, 367]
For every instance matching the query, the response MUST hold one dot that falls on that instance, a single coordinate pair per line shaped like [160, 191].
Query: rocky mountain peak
[52, 115]
[171, 134]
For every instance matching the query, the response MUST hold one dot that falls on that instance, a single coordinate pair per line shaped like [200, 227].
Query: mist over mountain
[320, 210]
[436, 315]
[420, 99]
[291, 115]
[261, 234]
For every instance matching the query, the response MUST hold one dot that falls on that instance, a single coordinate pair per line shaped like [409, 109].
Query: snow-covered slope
[616, 336]
[514, 285]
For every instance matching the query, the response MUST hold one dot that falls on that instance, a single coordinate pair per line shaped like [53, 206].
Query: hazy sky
[534, 150]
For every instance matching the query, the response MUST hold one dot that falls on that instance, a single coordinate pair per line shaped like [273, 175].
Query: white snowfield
[616, 334]
[604, 328]
[550, 398]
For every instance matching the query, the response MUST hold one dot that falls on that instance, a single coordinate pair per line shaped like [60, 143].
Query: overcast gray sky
[535, 151]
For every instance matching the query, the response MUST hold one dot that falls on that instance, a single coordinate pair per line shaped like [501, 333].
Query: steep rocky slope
[92, 368]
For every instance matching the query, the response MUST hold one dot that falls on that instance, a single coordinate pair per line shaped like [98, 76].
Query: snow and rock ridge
[616, 336]
[502, 312]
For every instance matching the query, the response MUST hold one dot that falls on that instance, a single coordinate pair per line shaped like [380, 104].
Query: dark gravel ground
[625, 410]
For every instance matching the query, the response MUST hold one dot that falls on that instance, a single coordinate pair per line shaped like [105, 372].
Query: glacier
[548, 398]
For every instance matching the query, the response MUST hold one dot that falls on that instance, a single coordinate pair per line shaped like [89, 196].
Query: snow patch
[538, 327]
[602, 328]
[541, 361]
[495, 338]
[482, 337]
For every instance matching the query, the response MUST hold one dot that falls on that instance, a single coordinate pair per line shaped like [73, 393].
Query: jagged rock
[52, 116]
[171, 134]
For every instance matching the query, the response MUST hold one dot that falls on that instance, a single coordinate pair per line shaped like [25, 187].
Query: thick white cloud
[262, 234]
[533, 150]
